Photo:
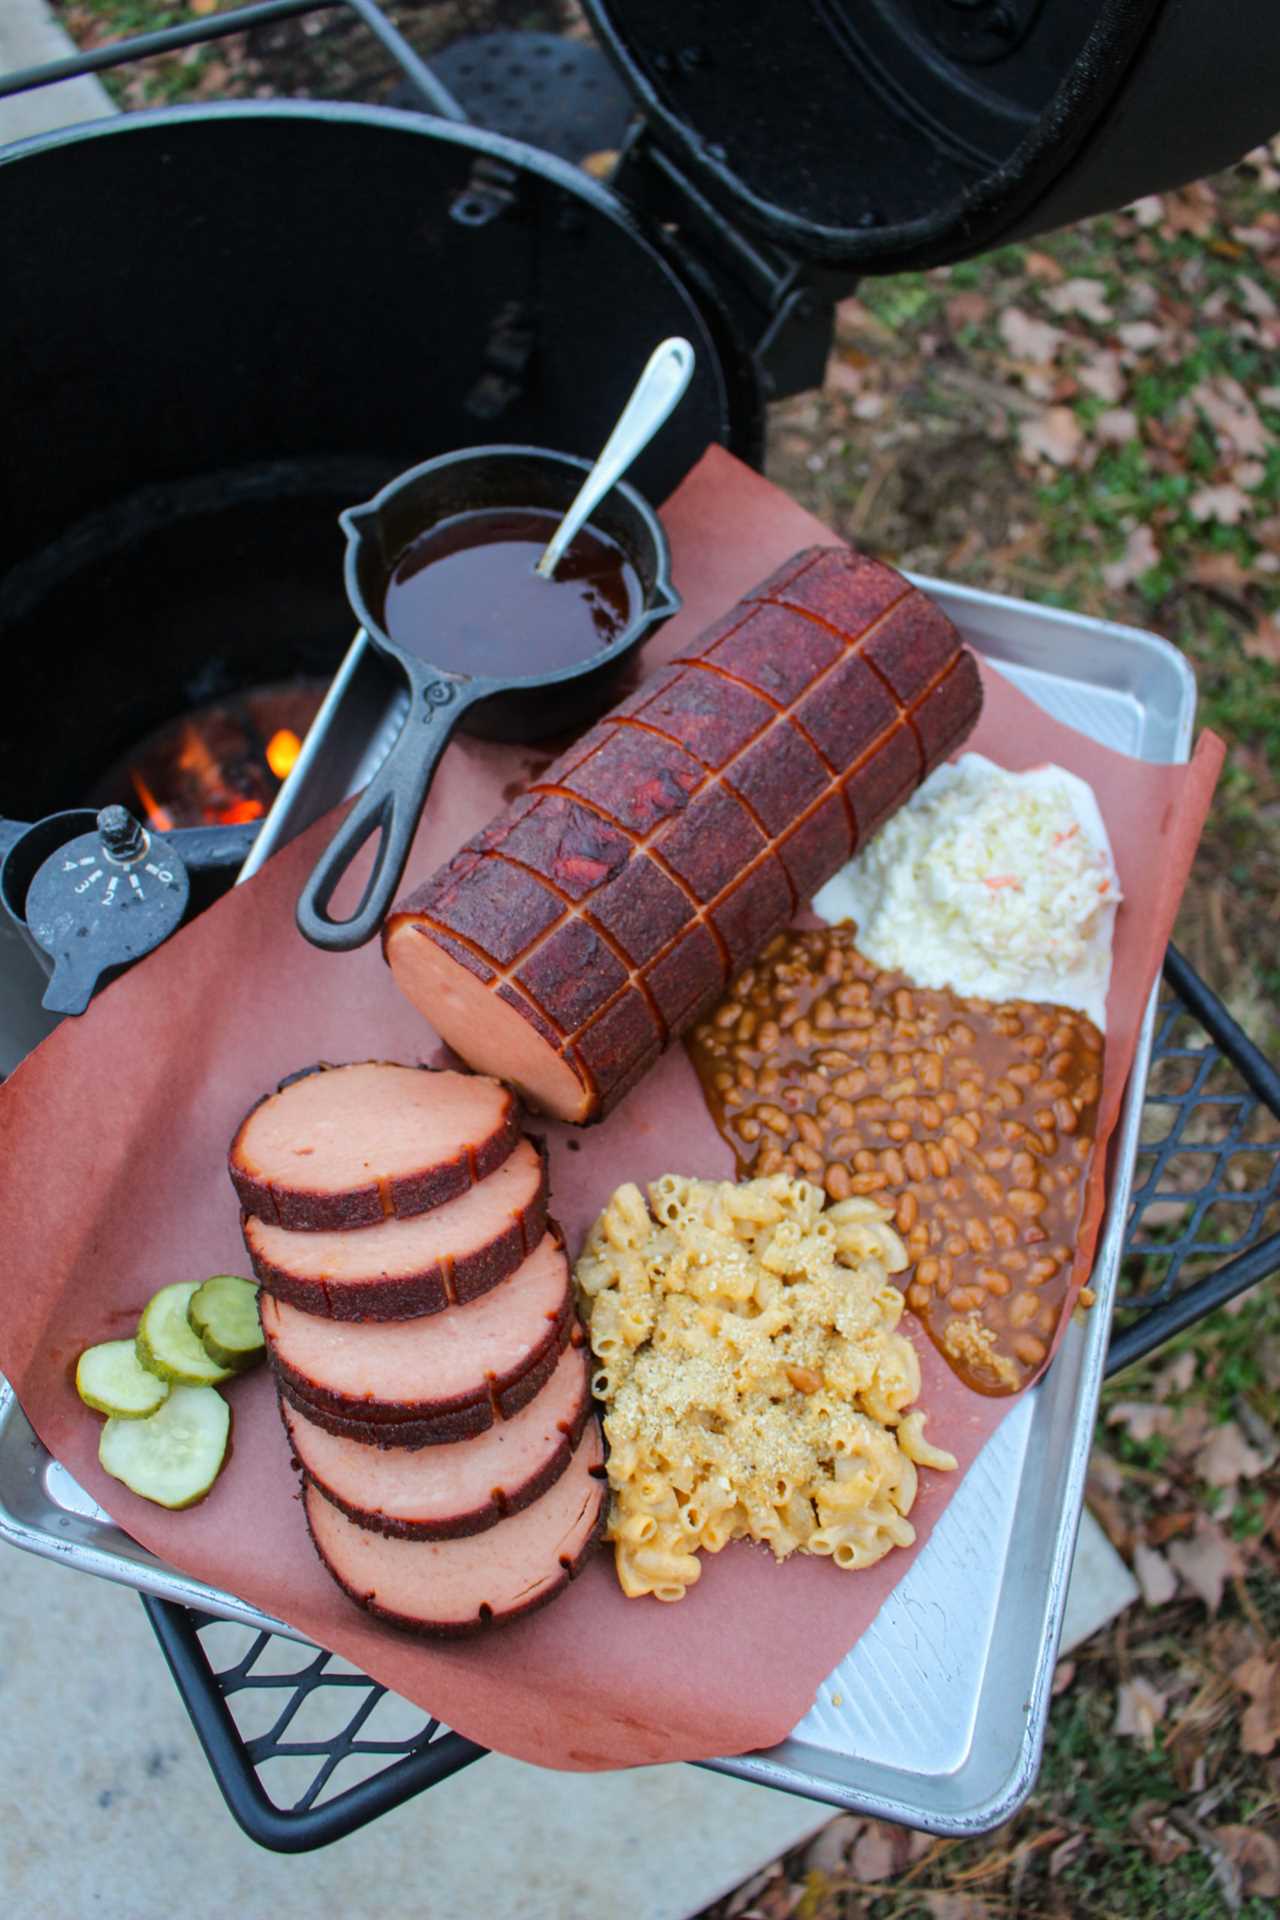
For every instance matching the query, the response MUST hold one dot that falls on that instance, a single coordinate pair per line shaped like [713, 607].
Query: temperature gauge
[100, 902]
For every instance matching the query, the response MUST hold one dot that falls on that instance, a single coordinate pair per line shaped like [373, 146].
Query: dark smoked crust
[862, 683]
[506, 1392]
[502, 1501]
[305, 1211]
[385, 1427]
[410, 1296]
[462, 1629]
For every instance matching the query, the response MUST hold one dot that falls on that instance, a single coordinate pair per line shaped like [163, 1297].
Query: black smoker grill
[222, 324]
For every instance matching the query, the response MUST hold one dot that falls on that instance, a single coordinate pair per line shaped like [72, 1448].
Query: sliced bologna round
[428, 1381]
[402, 1268]
[450, 1587]
[608, 908]
[445, 1493]
[351, 1146]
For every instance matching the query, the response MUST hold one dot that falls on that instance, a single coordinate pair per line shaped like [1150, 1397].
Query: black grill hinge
[784, 308]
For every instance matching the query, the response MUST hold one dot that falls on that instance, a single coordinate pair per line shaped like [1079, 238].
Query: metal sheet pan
[937, 1716]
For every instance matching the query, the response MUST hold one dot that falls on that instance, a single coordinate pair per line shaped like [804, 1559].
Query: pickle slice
[111, 1379]
[168, 1345]
[173, 1456]
[223, 1313]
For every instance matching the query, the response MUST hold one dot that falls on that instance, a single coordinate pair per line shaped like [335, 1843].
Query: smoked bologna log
[609, 907]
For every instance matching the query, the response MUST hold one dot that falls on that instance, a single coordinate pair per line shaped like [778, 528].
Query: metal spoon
[667, 373]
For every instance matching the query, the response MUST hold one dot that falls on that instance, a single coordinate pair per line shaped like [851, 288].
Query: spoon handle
[666, 375]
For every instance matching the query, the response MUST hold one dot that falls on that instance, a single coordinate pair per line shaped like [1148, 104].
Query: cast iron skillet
[528, 708]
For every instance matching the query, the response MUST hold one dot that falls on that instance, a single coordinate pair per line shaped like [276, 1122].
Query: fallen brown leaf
[1220, 570]
[1226, 1456]
[1140, 554]
[955, 1906]
[1055, 435]
[1154, 1575]
[1253, 298]
[1103, 373]
[1264, 642]
[1088, 298]
[1037, 342]
[1225, 504]
[1139, 1711]
[1141, 1419]
[968, 308]
[1117, 425]
[1206, 1561]
[1161, 1839]
[1043, 266]
[1259, 1678]
[1257, 1857]
[1229, 410]
[829, 1850]
[1177, 1377]
[1140, 336]
[875, 1856]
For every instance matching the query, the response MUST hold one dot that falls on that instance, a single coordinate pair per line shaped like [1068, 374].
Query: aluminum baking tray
[937, 1717]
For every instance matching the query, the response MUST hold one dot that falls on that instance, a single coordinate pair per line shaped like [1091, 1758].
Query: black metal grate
[1204, 1220]
[305, 1748]
[276, 1715]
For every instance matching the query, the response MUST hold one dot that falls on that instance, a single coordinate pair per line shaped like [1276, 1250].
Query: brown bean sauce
[465, 596]
[973, 1121]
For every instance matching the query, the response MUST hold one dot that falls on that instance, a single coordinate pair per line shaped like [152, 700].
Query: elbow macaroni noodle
[754, 1382]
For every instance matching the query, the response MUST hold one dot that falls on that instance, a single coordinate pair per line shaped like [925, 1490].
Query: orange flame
[237, 812]
[157, 816]
[283, 749]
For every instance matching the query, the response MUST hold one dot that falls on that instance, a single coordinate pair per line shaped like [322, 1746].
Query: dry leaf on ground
[1228, 408]
[1177, 1377]
[1227, 1457]
[1206, 1561]
[1163, 1841]
[1141, 1419]
[1264, 642]
[1154, 1575]
[1037, 342]
[1253, 298]
[875, 1856]
[967, 308]
[1085, 297]
[827, 1851]
[1226, 504]
[1256, 1856]
[1139, 1710]
[1140, 335]
[1117, 425]
[1054, 435]
[1259, 1678]
[955, 1906]
[1103, 374]
[1140, 554]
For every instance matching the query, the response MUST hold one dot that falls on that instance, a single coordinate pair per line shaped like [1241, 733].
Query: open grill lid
[877, 135]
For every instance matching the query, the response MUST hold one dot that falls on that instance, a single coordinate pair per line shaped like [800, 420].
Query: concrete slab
[1101, 1585]
[30, 36]
[108, 1807]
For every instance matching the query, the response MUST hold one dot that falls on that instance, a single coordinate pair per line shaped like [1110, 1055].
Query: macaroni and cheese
[754, 1382]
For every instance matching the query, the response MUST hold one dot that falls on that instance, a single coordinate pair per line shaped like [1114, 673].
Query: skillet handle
[390, 806]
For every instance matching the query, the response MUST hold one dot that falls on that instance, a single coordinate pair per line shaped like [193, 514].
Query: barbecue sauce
[465, 595]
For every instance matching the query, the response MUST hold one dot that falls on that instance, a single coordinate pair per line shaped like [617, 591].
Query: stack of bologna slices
[418, 1309]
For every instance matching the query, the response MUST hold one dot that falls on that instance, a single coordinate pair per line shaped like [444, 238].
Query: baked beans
[973, 1120]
